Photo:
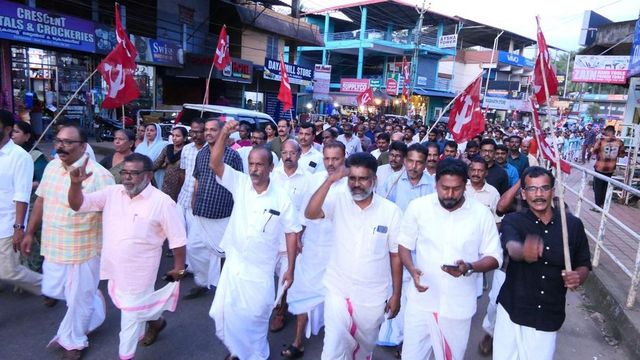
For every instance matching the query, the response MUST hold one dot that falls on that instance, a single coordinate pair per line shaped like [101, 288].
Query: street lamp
[378, 101]
[309, 106]
[335, 105]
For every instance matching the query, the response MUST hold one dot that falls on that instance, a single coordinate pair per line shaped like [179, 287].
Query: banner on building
[31, 25]
[392, 85]
[158, 52]
[321, 81]
[448, 41]
[634, 63]
[297, 74]
[602, 69]
[353, 86]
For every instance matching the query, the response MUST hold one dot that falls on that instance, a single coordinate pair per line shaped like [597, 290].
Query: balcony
[428, 37]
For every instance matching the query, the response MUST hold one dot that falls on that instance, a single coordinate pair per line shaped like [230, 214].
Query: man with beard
[306, 296]
[397, 153]
[409, 133]
[136, 219]
[283, 135]
[258, 139]
[502, 152]
[295, 180]
[364, 267]
[329, 135]
[351, 143]
[187, 163]
[71, 242]
[496, 175]
[450, 149]
[470, 151]
[212, 206]
[454, 237]
[262, 212]
[310, 158]
[531, 303]
[433, 156]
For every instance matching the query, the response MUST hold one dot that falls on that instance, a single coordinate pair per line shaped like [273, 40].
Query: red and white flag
[366, 97]
[117, 70]
[284, 95]
[543, 68]
[546, 149]
[221, 59]
[466, 119]
[406, 74]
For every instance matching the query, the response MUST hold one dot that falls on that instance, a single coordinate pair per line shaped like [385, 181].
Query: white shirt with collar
[187, 163]
[376, 153]
[312, 160]
[384, 172]
[16, 176]
[487, 196]
[352, 145]
[441, 237]
[359, 265]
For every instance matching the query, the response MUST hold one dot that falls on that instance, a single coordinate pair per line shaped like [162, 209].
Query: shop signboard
[238, 70]
[105, 39]
[273, 107]
[508, 58]
[601, 69]
[353, 86]
[297, 74]
[158, 52]
[634, 63]
[22, 23]
[375, 83]
[501, 103]
[321, 81]
[448, 41]
[392, 85]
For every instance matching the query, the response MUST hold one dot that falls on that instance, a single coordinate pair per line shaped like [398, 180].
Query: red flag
[221, 59]
[284, 95]
[405, 76]
[365, 97]
[546, 149]
[117, 70]
[543, 68]
[466, 119]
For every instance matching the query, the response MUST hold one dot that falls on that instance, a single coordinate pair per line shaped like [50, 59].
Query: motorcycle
[105, 127]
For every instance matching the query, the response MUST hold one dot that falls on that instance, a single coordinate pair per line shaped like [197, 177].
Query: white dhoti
[12, 272]
[350, 328]
[489, 321]
[427, 333]
[139, 308]
[392, 330]
[516, 342]
[203, 249]
[241, 309]
[77, 284]
[282, 265]
[187, 213]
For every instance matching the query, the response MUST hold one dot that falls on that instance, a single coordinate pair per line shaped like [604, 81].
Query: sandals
[292, 352]
[485, 347]
[152, 333]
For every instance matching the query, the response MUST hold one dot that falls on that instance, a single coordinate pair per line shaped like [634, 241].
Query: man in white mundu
[363, 263]
[262, 212]
[453, 237]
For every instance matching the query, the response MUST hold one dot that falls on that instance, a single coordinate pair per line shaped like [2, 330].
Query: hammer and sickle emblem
[464, 116]
[116, 79]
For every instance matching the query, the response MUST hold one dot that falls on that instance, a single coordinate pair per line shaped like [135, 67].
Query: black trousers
[600, 189]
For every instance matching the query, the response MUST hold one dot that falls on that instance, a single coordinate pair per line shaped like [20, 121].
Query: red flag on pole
[466, 119]
[365, 97]
[117, 70]
[546, 149]
[221, 59]
[406, 77]
[541, 67]
[284, 95]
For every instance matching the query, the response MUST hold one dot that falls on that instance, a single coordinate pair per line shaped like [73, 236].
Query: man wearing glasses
[531, 303]
[71, 242]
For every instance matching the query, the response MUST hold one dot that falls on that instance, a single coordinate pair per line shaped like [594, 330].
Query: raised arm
[77, 176]
[314, 207]
[217, 150]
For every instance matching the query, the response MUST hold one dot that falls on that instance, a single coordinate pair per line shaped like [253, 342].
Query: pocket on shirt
[270, 223]
[378, 245]
[141, 228]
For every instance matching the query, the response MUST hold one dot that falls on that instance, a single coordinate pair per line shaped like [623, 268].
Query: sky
[561, 20]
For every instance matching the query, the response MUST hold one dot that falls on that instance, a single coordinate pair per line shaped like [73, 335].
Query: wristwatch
[470, 269]
[18, 226]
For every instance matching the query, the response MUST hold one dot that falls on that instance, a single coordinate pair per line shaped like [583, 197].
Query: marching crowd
[379, 231]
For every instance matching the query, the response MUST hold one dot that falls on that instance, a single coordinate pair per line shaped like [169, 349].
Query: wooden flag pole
[206, 90]
[563, 214]
[63, 109]
[123, 118]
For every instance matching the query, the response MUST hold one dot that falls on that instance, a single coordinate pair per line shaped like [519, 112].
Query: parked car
[252, 118]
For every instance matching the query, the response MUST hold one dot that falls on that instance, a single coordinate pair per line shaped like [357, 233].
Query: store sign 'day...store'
[22, 23]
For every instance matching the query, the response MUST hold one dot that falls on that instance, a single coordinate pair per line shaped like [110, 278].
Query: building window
[272, 47]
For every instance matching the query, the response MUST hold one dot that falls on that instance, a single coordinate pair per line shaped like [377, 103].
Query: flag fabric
[466, 119]
[543, 68]
[406, 77]
[545, 148]
[365, 97]
[284, 95]
[117, 70]
[221, 59]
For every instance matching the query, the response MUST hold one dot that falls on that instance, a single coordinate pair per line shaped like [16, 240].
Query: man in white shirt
[311, 158]
[262, 212]
[433, 154]
[16, 175]
[258, 138]
[187, 163]
[453, 237]
[364, 266]
[306, 295]
[382, 142]
[397, 153]
[352, 143]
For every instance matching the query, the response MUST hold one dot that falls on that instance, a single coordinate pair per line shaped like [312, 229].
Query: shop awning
[437, 93]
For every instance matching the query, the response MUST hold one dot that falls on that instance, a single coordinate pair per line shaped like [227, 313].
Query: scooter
[105, 127]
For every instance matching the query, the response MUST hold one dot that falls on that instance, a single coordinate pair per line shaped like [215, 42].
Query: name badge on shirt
[381, 229]
[274, 212]
[312, 164]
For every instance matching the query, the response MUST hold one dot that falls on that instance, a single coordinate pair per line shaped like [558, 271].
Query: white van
[252, 118]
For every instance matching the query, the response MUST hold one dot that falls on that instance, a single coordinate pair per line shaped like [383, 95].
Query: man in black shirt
[496, 175]
[531, 303]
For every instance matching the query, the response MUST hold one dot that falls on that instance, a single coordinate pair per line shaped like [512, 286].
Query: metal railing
[427, 37]
[631, 268]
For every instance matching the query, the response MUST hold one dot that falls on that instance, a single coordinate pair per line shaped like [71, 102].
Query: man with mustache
[262, 213]
[258, 138]
[454, 236]
[283, 135]
[397, 153]
[531, 303]
[496, 175]
[137, 218]
[501, 154]
[352, 143]
[310, 157]
[212, 206]
[71, 242]
[433, 155]
[364, 267]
